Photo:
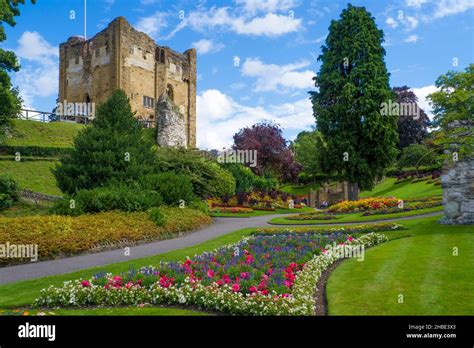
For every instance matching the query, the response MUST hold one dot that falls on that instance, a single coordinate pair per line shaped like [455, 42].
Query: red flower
[265, 292]
[249, 259]
[85, 283]
[226, 279]
[129, 285]
[235, 287]
[252, 289]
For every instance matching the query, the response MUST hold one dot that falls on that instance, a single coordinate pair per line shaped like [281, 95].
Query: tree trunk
[353, 191]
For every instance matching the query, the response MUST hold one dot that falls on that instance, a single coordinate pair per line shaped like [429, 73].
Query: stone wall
[457, 182]
[458, 192]
[121, 57]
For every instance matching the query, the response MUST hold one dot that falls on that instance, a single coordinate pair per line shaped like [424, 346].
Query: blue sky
[256, 58]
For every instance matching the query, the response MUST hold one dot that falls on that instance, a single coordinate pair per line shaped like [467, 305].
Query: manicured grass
[23, 294]
[403, 190]
[32, 175]
[20, 209]
[53, 134]
[263, 212]
[120, 311]
[354, 217]
[421, 267]
[299, 190]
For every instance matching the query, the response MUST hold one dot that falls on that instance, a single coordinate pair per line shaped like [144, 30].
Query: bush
[173, 187]
[245, 179]
[157, 216]
[207, 177]
[38, 151]
[199, 205]
[106, 199]
[8, 192]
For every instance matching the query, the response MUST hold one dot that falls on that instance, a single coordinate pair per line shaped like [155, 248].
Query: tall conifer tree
[352, 84]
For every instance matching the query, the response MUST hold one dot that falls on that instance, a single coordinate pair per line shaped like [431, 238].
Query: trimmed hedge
[60, 236]
[39, 151]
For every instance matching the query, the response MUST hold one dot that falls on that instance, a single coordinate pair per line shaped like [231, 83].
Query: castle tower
[120, 57]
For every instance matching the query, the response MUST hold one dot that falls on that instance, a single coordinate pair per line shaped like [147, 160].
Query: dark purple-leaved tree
[274, 158]
[411, 130]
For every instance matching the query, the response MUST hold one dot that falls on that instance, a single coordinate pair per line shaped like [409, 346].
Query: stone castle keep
[160, 82]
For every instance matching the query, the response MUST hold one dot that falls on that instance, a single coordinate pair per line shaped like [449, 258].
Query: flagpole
[85, 19]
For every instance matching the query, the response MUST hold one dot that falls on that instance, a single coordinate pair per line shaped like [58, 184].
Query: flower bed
[364, 204]
[349, 229]
[59, 236]
[311, 216]
[232, 210]
[259, 200]
[406, 207]
[260, 275]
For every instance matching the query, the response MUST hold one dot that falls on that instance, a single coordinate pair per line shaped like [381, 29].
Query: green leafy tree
[453, 106]
[308, 149]
[454, 101]
[10, 101]
[417, 155]
[352, 84]
[110, 151]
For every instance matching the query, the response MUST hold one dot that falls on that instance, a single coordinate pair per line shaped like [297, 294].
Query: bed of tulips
[261, 275]
[232, 210]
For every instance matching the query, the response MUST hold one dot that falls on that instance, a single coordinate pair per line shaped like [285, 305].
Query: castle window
[162, 56]
[169, 92]
[148, 102]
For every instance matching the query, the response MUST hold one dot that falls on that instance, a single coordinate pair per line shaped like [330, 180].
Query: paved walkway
[219, 227]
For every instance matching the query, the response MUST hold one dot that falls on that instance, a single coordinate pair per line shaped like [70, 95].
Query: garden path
[219, 227]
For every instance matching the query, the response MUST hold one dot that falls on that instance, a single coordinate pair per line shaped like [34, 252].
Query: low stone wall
[458, 192]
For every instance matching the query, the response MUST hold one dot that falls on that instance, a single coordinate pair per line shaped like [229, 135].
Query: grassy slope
[354, 217]
[421, 267]
[404, 190]
[32, 175]
[33, 133]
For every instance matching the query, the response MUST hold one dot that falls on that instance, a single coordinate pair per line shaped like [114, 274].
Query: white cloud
[450, 7]
[39, 73]
[204, 46]
[32, 46]
[411, 39]
[273, 77]
[423, 103]
[270, 24]
[416, 3]
[254, 6]
[219, 117]
[392, 23]
[152, 25]
[410, 22]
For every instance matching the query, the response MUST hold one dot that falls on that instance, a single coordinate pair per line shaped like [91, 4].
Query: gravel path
[219, 227]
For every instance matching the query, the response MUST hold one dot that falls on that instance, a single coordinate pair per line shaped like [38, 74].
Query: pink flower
[210, 273]
[293, 265]
[235, 287]
[265, 292]
[226, 279]
[350, 239]
[117, 279]
[249, 259]
[244, 275]
[85, 283]
[288, 283]
[252, 289]
[129, 285]
[324, 251]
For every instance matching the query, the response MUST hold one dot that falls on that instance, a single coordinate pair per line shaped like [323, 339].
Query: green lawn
[403, 190]
[420, 267]
[354, 217]
[32, 175]
[263, 212]
[23, 209]
[33, 133]
[299, 190]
